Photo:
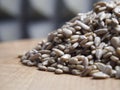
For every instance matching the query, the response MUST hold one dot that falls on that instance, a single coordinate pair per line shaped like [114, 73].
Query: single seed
[41, 67]
[100, 75]
[115, 41]
[51, 69]
[84, 26]
[97, 41]
[73, 60]
[117, 72]
[114, 58]
[66, 69]
[58, 71]
[75, 72]
[58, 52]
[66, 32]
[65, 57]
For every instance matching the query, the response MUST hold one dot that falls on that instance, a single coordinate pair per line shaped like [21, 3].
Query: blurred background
[23, 19]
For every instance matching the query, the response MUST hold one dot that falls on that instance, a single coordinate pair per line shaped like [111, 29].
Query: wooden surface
[15, 76]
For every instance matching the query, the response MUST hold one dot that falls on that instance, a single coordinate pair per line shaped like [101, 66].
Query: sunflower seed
[100, 75]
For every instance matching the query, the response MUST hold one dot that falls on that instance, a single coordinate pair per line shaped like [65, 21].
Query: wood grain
[15, 76]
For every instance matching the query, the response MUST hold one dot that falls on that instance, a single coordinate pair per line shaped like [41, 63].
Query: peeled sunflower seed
[66, 69]
[75, 72]
[84, 26]
[86, 71]
[67, 32]
[51, 69]
[99, 53]
[58, 71]
[85, 62]
[58, 52]
[101, 66]
[114, 58]
[118, 50]
[117, 72]
[41, 67]
[108, 69]
[97, 41]
[101, 31]
[117, 10]
[87, 45]
[73, 60]
[100, 75]
[115, 41]
[65, 57]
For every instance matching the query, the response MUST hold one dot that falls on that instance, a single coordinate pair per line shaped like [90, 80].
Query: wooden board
[15, 76]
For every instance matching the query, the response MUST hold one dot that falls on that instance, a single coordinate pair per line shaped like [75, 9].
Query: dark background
[23, 19]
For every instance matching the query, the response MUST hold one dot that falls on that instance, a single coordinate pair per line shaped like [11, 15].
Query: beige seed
[77, 27]
[108, 69]
[117, 72]
[80, 57]
[41, 67]
[88, 44]
[65, 69]
[83, 42]
[115, 41]
[85, 62]
[101, 66]
[99, 54]
[58, 52]
[115, 21]
[65, 58]
[107, 55]
[110, 49]
[35, 56]
[118, 50]
[75, 72]
[66, 32]
[90, 57]
[84, 26]
[30, 63]
[73, 60]
[102, 45]
[50, 37]
[51, 69]
[113, 73]
[117, 28]
[75, 45]
[114, 58]
[80, 67]
[93, 71]
[86, 71]
[101, 31]
[74, 37]
[97, 41]
[59, 66]
[117, 10]
[45, 63]
[61, 47]
[58, 71]
[100, 75]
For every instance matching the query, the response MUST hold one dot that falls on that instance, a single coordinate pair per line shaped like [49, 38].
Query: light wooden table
[15, 76]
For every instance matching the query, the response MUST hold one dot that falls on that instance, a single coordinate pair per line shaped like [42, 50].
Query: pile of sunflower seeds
[87, 45]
